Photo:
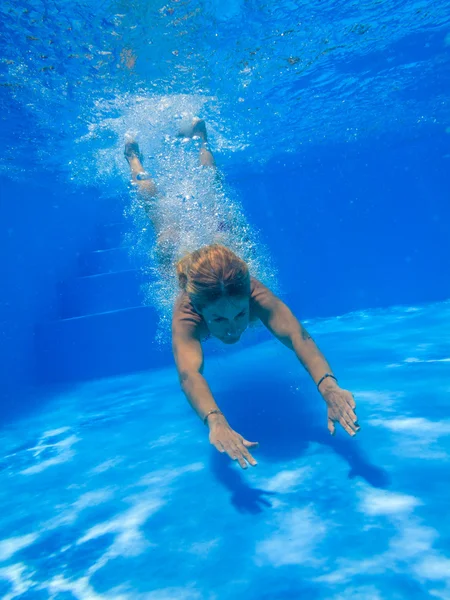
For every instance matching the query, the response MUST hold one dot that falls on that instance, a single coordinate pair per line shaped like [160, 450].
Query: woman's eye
[219, 319]
[241, 314]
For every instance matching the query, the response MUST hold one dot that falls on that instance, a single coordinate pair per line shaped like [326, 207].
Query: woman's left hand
[341, 409]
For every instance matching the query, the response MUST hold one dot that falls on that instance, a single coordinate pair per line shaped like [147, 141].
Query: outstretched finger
[331, 426]
[239, 453]
[230, 450]
[248, 457]
[250, 444]
[242, 455]
[235, 454]
[351, 401]
[350, 428]
[241, 460]
[350, 415]
[350, 420]
[219, 447]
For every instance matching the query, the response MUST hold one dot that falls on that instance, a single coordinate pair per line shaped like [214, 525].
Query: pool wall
[350, 227]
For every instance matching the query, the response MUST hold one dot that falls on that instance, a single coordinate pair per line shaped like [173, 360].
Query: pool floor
[111, 490]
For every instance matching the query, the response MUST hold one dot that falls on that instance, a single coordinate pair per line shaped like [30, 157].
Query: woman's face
[227, 318]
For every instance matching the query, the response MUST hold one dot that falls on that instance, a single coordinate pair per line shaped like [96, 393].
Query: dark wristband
[215, 411]
[324, 377]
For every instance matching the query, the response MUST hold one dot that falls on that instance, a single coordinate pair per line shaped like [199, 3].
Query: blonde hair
[213, 272]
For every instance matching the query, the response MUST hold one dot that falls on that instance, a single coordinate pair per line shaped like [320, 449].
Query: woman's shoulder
[258, 290]
[185, 316]
[260, 297]
[183, 309]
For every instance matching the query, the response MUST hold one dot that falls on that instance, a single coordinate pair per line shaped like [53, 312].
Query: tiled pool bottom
[112, 491]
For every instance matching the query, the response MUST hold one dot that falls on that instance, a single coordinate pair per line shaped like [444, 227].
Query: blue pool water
[330, 124]
[112, 491]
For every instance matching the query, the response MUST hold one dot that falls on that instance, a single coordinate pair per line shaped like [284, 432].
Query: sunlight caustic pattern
[116, 495]
[284, 73]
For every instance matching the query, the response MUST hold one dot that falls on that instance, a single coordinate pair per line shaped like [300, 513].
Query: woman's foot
[196, 129]
[132, 151]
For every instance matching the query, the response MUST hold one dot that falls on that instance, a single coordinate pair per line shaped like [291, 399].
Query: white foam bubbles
[193, 208]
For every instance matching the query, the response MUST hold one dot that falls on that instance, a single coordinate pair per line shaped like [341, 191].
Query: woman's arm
[280, 321]
[188, 355]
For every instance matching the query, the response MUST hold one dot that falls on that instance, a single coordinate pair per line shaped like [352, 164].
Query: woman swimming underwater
[220, 298]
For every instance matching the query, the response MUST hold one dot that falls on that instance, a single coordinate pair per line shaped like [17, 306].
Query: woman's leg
[198, 129]
[146, 187]
[149, 197]
[206, 157]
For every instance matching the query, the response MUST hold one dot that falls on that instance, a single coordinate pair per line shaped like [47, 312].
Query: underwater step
[101, 293]
[107, 261]
[103, 345]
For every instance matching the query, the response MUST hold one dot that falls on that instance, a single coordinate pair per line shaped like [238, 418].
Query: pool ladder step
[104, 329]
[99, 345]
[100, 293]
[110, 260]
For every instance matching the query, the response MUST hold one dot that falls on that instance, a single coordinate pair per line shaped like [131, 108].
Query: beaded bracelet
[214, 411]
[324, 377]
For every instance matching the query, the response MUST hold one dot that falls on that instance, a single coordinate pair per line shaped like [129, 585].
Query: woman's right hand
[227, 440]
